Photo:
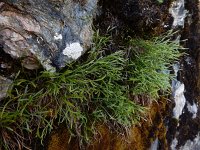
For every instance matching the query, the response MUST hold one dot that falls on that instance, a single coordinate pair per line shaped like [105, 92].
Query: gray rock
[154, 145]
[178, 12]
[55, 32]
[192, 145]
[4, 86]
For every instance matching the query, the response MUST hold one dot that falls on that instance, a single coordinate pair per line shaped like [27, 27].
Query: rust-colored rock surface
[137, 138]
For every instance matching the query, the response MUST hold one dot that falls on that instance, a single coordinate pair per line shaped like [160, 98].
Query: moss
[59, 140]
[138, 137]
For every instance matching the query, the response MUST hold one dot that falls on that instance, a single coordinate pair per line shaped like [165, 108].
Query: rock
[4, 86]
[30, 63]
[192, 145]
[53, 32]
[174, 144]
[179, 99]
[193, 109]
[154, 145]
[138, 16]
[178, 12]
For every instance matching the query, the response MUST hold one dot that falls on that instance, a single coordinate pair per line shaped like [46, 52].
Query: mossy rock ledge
[56, 44]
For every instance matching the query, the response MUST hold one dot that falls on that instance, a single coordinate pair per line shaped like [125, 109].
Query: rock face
[4, 86]
[52, 32]
[183, 134]
[171, 128]
[55, 32]
[136, 16]
[137, 137]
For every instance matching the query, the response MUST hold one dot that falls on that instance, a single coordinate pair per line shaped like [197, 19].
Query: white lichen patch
[179, 98]
[73, 50]
[178, 89]
[174, 144]
[178, 12]
[192, 109]
[58, 36]
[178, 93]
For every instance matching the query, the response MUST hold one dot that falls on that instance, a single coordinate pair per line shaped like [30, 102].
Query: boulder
[51, 32]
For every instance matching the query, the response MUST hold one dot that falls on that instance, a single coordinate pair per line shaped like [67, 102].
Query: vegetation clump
[95, 89]
[149, 65]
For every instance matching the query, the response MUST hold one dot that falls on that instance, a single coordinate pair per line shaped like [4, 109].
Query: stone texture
[177, 10]
[137, 16]
[42, 30]
[184, 133]
[4, 86]
[136, 138]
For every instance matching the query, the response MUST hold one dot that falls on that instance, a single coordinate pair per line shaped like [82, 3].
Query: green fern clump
[96, 89]
[80, 96]
[149, 65]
